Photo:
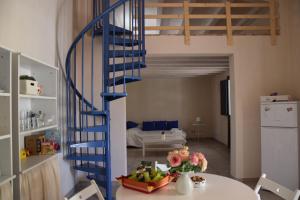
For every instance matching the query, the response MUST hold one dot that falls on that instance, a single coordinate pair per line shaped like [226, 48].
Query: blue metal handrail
[83, 148]
[85, 30]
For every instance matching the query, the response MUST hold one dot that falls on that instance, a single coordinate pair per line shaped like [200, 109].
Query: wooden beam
[207, 5]
[208, 28]
[173, 16]
[249, 5]
[163, 28]
[251, 28]
[194, 16]
[273, 21]
[206, 16]
[250, 16]
[187, 32]
[229, 23]
[164, 5]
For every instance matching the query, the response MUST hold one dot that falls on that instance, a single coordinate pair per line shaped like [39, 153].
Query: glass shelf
[39, 129]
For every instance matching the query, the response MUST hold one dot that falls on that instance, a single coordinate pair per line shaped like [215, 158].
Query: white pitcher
[184, 184]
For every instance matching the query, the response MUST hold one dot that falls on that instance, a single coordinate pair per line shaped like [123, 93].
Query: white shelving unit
[47, 76]
[6, 166]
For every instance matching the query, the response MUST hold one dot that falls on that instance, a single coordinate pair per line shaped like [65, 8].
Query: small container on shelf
[28, 85]
[30, 120]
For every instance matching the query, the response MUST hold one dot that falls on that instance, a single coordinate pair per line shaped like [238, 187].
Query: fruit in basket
[158, 177]
[133, 176]
[146, 174]
[153, 172]
[147, 177]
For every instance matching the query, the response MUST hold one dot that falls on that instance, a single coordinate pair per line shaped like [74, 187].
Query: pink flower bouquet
[182, 160]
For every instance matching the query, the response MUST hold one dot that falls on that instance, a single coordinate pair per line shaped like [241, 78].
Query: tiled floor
[217, 154]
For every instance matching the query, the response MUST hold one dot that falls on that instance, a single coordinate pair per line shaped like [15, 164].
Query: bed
[136, 135]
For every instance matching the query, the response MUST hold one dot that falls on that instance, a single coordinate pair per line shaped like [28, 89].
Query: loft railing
[229, 28]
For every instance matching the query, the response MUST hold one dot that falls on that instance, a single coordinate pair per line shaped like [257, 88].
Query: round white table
[216, 188]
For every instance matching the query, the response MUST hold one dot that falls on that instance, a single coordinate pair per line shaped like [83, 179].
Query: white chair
[88, 192]
[277, 189]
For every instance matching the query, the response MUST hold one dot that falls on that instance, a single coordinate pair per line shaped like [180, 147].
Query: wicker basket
[142, 186]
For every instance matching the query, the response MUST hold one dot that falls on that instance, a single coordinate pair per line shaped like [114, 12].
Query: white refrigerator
[280, 142]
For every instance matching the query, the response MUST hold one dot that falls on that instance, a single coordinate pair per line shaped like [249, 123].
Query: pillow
[160, 125]
[131, 124]
[148, 126]
[172, 124]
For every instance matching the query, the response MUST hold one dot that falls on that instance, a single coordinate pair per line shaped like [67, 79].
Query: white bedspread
[135, 135]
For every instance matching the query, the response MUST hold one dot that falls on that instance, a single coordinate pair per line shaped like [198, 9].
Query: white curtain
[42, 183]
[6, 192]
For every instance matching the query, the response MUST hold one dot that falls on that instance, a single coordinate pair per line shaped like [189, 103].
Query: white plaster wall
[118, 138]
[181, 99]
[294, 71]
[258, 69]
[32, 27]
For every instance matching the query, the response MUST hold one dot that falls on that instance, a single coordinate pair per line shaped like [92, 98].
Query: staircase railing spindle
[114, 51]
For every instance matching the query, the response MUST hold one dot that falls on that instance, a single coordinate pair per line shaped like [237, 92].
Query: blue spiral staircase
[119, 57]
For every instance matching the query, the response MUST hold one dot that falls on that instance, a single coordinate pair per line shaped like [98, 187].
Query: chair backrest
[277, 189]
[88, 192]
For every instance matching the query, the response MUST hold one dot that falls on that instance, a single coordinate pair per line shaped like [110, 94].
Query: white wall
[253, 58]
[258, 69]
[180, 99]
[294, 70]
[33, 27]
[118, 138]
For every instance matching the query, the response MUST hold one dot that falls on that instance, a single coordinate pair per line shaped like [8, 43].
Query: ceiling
[169, 66]
[204, 22]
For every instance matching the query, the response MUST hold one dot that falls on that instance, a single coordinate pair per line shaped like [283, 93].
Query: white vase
[184, 184]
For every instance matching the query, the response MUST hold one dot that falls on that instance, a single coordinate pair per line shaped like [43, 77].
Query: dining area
[183, 177]
[216, 187]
